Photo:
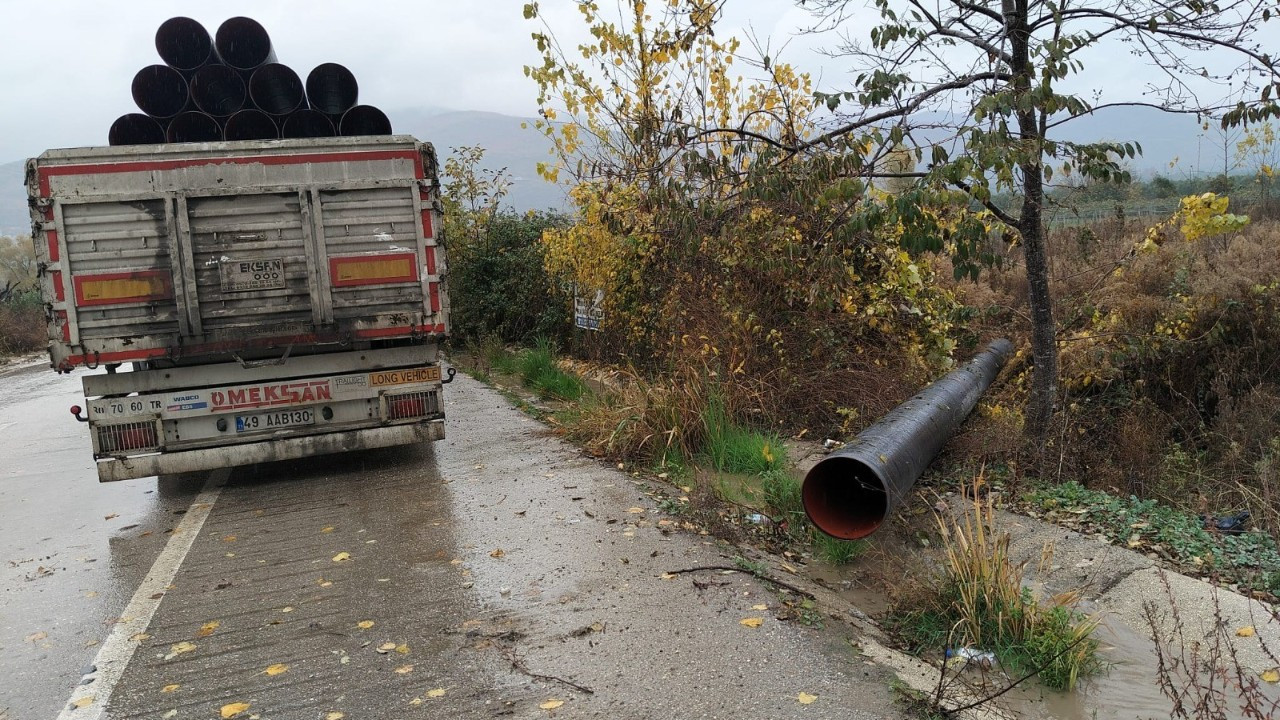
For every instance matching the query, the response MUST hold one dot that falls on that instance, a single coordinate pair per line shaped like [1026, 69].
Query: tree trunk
[1044, 348]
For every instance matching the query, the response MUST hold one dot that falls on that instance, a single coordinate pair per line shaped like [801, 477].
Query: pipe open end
[844, 498]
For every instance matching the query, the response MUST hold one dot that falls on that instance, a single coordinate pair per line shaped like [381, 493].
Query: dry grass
[22, 328]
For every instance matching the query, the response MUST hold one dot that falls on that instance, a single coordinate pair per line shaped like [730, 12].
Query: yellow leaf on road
[231, 710]
[207, 629]
[438, 692]
[404, 669]
[416, 701]
[402, 649]
[667, 576]
[83, 702]
[751, 622]
[229, 538]
[1246, 631]
[497, 553]
[36, 637]
[760, 607]
[805, 698]
[386, 647]
[327, 529]
[1272, 675]
[551, 704]
[364, 624]
[180, 648]
[276, 669]
[342, 557]
[636, 510]
[170, 688]
[139, 637]
[334, 716]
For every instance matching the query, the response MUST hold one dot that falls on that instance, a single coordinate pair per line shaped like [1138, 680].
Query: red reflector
[412, 405]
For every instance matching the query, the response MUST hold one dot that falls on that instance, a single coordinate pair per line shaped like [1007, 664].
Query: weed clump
[978, 600]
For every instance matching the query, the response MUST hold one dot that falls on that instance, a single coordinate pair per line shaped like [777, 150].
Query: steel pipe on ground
[364, 120]
[251, 125]
[276, 89]
[244, 44]
[218, 90]
[184, 44]
[307, 124]
[851, 492]
[135, 129]
[190, 127]
[160, 91]
[332, 89]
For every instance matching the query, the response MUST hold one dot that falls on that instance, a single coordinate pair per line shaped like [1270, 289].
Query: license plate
[274, 420]
[247, 275]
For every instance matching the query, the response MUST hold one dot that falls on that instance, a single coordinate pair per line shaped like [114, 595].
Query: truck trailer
[250, 301]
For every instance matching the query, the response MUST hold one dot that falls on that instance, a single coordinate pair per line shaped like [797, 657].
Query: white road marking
[119, 646]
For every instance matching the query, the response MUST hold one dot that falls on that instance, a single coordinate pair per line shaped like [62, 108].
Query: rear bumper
[268, 451]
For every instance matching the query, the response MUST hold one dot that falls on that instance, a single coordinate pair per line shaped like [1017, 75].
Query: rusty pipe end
[845, 497]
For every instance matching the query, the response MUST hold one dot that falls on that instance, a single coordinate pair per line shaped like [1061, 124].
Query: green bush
[498, 286]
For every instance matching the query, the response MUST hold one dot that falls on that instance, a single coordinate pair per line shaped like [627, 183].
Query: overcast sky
[66, 65]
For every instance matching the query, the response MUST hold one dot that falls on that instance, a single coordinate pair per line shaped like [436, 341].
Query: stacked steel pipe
[228, 86]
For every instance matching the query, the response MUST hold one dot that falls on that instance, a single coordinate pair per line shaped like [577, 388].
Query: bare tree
[976, 88]
[17, 266]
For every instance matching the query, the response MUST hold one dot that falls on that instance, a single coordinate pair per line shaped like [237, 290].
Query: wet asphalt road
[497, 573]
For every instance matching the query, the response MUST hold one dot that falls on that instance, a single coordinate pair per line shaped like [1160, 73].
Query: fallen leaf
[327, 529]
[1246, 631]
[172, 713]
[402, 649]
[231, 555]
[277, 669]
[87, 699]
[139, 637]
[456, 561]
[1272, 675]
[386, 647]
[36, 637]
[751, 622]
[789, 569]
[667, 576]
[180, 648]
[365, 624]
[207, 629]
[497, 553]
[342, 557]
[636, 510]
[91, 594]
[404, 669]
[229, 538]
[287, 608]
[326, 583]
[233, 709]
[551, 704]
[416, 701]
[438, 692]
[760, 607]
[112, 516]
[170, 688]
[805, 698]
[334, 716]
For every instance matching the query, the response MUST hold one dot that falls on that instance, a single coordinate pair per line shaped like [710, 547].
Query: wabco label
[404, 377]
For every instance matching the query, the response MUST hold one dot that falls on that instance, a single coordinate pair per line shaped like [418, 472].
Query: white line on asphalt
[120, 645]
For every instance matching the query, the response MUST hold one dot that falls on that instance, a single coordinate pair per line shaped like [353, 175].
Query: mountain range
[1165, 139]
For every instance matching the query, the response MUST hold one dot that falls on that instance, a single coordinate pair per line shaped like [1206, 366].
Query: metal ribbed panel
[377, 220]
[114, 237]
[128, 437]
[413, 404]
[247, 228]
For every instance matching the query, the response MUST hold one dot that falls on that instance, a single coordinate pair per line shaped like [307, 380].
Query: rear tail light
[412, 405]
[128, 437]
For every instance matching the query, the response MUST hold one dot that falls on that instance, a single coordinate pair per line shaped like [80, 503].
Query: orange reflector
[373, 269]
[138, 286]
